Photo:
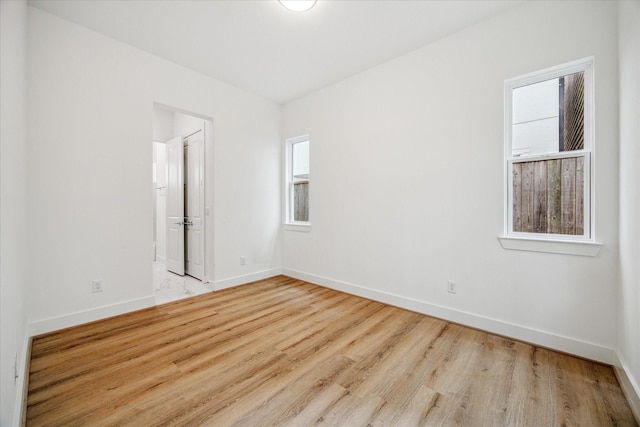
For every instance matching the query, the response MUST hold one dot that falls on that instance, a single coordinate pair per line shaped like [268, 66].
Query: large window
[298, 180]
[549, 143]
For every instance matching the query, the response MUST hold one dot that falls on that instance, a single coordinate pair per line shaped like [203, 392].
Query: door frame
[209, 185]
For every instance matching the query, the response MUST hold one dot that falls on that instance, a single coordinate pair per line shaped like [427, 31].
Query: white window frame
[290, 223]
[542, 242]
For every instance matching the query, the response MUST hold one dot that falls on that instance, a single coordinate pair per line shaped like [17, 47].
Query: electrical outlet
[96, 286]
[451, 287]
[243, 261]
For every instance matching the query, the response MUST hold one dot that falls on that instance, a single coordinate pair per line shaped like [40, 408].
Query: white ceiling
[259, 46]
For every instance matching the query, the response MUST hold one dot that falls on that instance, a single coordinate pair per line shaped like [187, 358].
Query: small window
[548, 144]
[298, 180]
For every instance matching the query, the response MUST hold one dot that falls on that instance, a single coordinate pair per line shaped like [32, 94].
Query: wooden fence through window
[301, 201]
[548, 196]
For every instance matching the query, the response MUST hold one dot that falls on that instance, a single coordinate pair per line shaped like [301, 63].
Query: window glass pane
[548, 196]
[300, 159]
[573, 113]
[300, 181]
[548, 117]
[537, 137]
[535, 102]
[301, 201]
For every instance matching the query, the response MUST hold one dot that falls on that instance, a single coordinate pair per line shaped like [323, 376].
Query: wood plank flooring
[282, 352]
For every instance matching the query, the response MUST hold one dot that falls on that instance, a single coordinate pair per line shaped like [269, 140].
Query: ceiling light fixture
[298, 5]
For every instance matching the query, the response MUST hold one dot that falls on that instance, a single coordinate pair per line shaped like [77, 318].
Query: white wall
[162, 124]
[629, 295]
[13, 204]
[184, 124]
[408, 182]
[162, 132]
[160, 197]
[91, 110]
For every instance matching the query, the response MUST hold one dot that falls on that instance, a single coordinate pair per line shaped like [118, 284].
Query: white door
[194, 204]
[175, 205]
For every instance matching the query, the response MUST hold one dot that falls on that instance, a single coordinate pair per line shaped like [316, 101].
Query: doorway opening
[182, 226]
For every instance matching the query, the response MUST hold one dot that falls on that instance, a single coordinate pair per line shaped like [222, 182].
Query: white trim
[533, 336]
[629, 385]
[536, 337]
[78, 318]
[550, 245]
[587, 66]
[304, 227]
[295, 140]
[22, 384]
[551, 72]
[244, 279]
[56, 323]
[549, 156]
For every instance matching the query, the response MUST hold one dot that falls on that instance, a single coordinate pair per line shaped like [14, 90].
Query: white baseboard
[247, 278]
[629, 385]
[545, 339]
[522, 333]
[78, 318]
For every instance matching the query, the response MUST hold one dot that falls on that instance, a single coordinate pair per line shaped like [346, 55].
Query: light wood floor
[287, 353]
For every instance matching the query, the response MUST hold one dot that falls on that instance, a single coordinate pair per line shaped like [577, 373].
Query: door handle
[188, 222]
[179, 223]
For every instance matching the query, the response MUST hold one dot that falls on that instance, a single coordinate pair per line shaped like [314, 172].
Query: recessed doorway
[181, 217]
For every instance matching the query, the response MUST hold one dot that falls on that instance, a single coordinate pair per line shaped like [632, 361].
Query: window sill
[566, 247]
[303, 227]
